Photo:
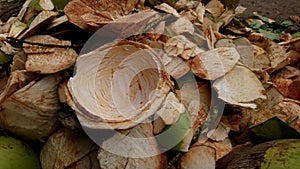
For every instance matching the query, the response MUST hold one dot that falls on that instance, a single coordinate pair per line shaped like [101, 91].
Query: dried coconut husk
[214, 63]
[16, 80]
[175, 66]
[285, 109]
[287, 81]
[240, 87]
[42, 20]
[91, 15]
[132, 148]
[50, 56]
[126, 82]
[31, 112]
[67, 150]
[199, 157]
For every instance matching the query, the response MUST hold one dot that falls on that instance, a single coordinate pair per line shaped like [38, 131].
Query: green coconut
[284, 154]
[14, 154]
[276, 154]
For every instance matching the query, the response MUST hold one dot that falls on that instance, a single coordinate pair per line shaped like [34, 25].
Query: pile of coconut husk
[150, 84]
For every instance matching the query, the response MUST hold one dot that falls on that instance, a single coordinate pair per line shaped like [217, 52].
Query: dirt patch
[271, 8]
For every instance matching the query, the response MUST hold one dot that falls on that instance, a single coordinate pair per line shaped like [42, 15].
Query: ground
[272, 8]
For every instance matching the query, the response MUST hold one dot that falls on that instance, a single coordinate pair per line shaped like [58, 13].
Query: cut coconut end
[118, 86]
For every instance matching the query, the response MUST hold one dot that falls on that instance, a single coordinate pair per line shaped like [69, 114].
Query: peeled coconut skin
[14, 154]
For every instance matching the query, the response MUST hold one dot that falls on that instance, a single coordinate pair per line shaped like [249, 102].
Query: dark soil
[272, 8]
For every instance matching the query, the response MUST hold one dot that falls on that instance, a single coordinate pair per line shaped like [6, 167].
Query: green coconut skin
[174, 136]
[284, 154]
[14, 154]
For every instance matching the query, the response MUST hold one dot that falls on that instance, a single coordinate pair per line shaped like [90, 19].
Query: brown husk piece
[42, 20]
[17, 80]
[256, 75]
[67, 150]
[218, 139]
[287, 82]
[48, 59]
[214, 63]
[31, 112]
[200, 157]
[132, 149]
[240, 87]
[94, 14]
